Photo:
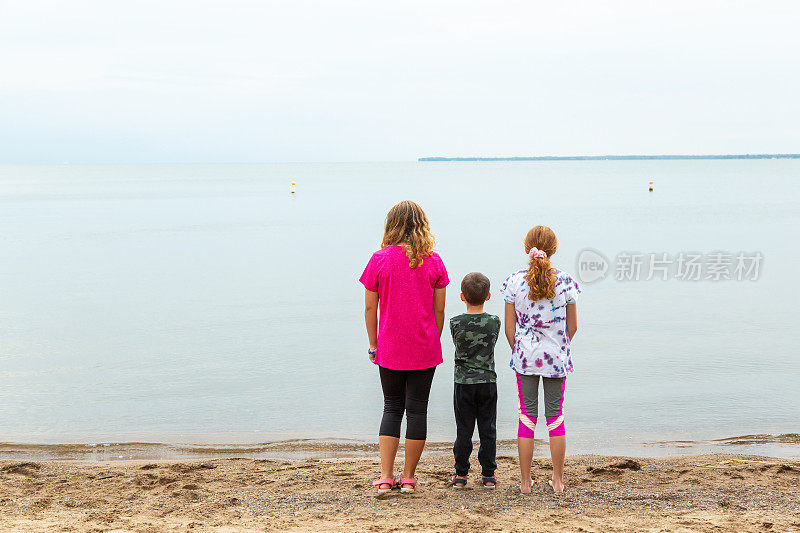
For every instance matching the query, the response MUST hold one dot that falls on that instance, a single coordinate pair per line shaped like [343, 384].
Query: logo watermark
[592, 266]
[682, 266]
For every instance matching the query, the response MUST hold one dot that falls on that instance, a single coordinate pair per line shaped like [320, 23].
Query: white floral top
[541, 343]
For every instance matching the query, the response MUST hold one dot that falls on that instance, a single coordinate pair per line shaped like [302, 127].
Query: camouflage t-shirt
[474, 337]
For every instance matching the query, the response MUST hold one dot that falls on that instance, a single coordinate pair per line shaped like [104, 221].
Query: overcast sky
[141, 81]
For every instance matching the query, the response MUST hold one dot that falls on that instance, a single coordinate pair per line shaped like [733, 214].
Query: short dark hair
[475, 288]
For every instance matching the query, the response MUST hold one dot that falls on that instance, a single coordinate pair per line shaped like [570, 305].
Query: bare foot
[525, 488]
[557, 485]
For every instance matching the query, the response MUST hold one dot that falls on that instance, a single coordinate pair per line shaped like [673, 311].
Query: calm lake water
[206, 304]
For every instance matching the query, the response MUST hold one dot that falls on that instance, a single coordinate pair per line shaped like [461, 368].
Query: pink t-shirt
[407, 335]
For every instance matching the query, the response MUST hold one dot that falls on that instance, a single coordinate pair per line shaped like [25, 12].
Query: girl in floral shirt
[540, 321]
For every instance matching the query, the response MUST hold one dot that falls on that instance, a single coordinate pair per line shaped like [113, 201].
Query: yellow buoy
[294, 188]
[651, 186]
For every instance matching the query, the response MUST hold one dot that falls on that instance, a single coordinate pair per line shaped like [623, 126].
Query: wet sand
[779, 445]
[690, 493]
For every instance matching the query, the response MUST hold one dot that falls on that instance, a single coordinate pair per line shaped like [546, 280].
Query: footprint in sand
[26, 468]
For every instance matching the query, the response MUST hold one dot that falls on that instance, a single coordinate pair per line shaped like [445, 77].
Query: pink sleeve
[443, 280]
[369, 278]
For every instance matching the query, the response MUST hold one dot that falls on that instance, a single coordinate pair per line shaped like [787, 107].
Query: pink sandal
[412, 481]
[391, 481]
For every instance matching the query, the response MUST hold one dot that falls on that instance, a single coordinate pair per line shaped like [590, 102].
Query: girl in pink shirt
[406, 281]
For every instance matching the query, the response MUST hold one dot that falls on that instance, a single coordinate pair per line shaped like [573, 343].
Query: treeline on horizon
[612, 157]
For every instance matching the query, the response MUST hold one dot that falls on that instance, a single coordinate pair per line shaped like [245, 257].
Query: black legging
[405, 390]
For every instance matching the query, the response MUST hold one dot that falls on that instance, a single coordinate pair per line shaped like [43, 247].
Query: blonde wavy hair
[407, 226]
[541, 277]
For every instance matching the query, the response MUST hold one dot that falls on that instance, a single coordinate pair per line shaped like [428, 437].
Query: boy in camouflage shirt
[475, 391]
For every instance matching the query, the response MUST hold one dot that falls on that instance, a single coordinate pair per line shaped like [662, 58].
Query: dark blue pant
[475, 403]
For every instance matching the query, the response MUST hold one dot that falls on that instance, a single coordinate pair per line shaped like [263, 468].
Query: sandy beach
[689, 493]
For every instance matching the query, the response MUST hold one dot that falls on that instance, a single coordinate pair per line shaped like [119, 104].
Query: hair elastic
[535, 252]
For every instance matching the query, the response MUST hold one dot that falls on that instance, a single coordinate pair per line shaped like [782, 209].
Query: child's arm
[438, 307]
[511, 324]
[371, 319]
[572, 320]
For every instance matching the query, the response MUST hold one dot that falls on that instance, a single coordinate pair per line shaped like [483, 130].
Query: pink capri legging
[528, 390]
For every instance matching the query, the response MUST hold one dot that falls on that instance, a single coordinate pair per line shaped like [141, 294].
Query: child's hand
[372, 352]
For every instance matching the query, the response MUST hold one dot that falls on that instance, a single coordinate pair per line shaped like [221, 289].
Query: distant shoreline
[613, 157]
